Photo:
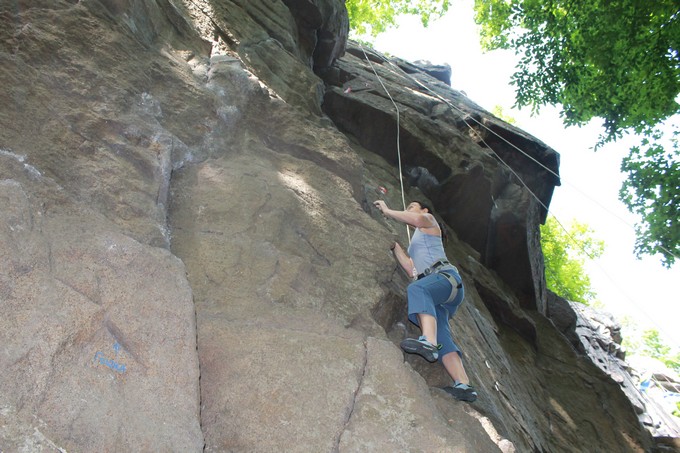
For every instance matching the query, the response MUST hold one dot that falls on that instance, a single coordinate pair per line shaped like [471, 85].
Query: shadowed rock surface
[191, 260]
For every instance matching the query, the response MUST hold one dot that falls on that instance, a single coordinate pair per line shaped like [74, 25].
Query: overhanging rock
[490, 181]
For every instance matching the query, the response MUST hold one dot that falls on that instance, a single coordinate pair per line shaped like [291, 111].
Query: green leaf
[375, 16]
[564, 254]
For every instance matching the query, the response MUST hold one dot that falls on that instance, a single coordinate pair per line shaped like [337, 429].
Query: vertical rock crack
[350, 412]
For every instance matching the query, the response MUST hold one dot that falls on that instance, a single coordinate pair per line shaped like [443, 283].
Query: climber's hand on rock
[381, 205]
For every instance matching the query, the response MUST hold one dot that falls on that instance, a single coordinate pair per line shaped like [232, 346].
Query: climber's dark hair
[429, 210]
[423, 206]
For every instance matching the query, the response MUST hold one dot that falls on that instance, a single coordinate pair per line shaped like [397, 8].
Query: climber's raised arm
[415, 219]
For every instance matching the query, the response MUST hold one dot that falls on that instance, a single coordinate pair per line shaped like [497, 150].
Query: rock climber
[434, 295]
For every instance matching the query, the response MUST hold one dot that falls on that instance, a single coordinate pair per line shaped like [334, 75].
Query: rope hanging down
[446, 101]
[401, 178]
[464, 114]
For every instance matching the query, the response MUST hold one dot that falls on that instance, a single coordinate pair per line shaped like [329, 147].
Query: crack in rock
[350, 412]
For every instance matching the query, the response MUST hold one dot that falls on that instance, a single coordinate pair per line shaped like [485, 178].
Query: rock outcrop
[191, 260]
[597, 334]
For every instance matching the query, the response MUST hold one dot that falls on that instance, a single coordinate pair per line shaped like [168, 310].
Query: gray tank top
[425, 250]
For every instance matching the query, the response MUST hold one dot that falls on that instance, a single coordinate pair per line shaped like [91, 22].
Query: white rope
[540, 164]
[401, 178]
[464, 114]
[583, 249]
[446, 101]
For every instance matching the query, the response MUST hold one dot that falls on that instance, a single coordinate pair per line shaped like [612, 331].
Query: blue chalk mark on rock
[115, 366]
[116, 347]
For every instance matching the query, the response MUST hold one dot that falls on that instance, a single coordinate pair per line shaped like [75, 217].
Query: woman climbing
[434, 295]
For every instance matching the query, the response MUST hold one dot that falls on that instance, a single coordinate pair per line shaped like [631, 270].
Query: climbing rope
[401, 177]
[527, 155]
[465, 115]
[571, 238]
[444, 100]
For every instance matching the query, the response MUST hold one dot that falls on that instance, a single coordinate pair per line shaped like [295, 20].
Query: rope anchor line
[465, 115]
[401, 178]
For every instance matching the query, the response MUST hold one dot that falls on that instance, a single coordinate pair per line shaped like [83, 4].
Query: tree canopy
[617, 60]
[565, 252]
[372, 17]
[649, 343]
[652, 190]
[613, 59]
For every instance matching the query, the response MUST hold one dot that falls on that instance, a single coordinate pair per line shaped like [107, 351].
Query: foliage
[652, 190]
[500, 113]
[375, 16]
[612, 59]
[564, 252]
[617, 60]
[631, 339]
[649, 344]
[654, 347]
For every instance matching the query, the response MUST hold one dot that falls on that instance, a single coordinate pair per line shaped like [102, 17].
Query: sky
[642, 290]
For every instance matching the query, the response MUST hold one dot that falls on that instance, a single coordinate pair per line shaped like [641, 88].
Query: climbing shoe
[422, 347]
[462, 392]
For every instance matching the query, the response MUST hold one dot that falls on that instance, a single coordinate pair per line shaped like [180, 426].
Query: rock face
[191, 260]
[597, 335]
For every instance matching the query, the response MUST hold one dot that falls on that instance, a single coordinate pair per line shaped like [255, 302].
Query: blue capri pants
[428, 295]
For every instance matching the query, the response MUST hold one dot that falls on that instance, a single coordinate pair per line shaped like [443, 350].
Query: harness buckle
[433, 268]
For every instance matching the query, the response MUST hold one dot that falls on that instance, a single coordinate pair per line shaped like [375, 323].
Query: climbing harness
[456, 282]
[466, 115]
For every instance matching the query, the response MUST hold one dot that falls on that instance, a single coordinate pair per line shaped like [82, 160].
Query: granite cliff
[191, 260]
